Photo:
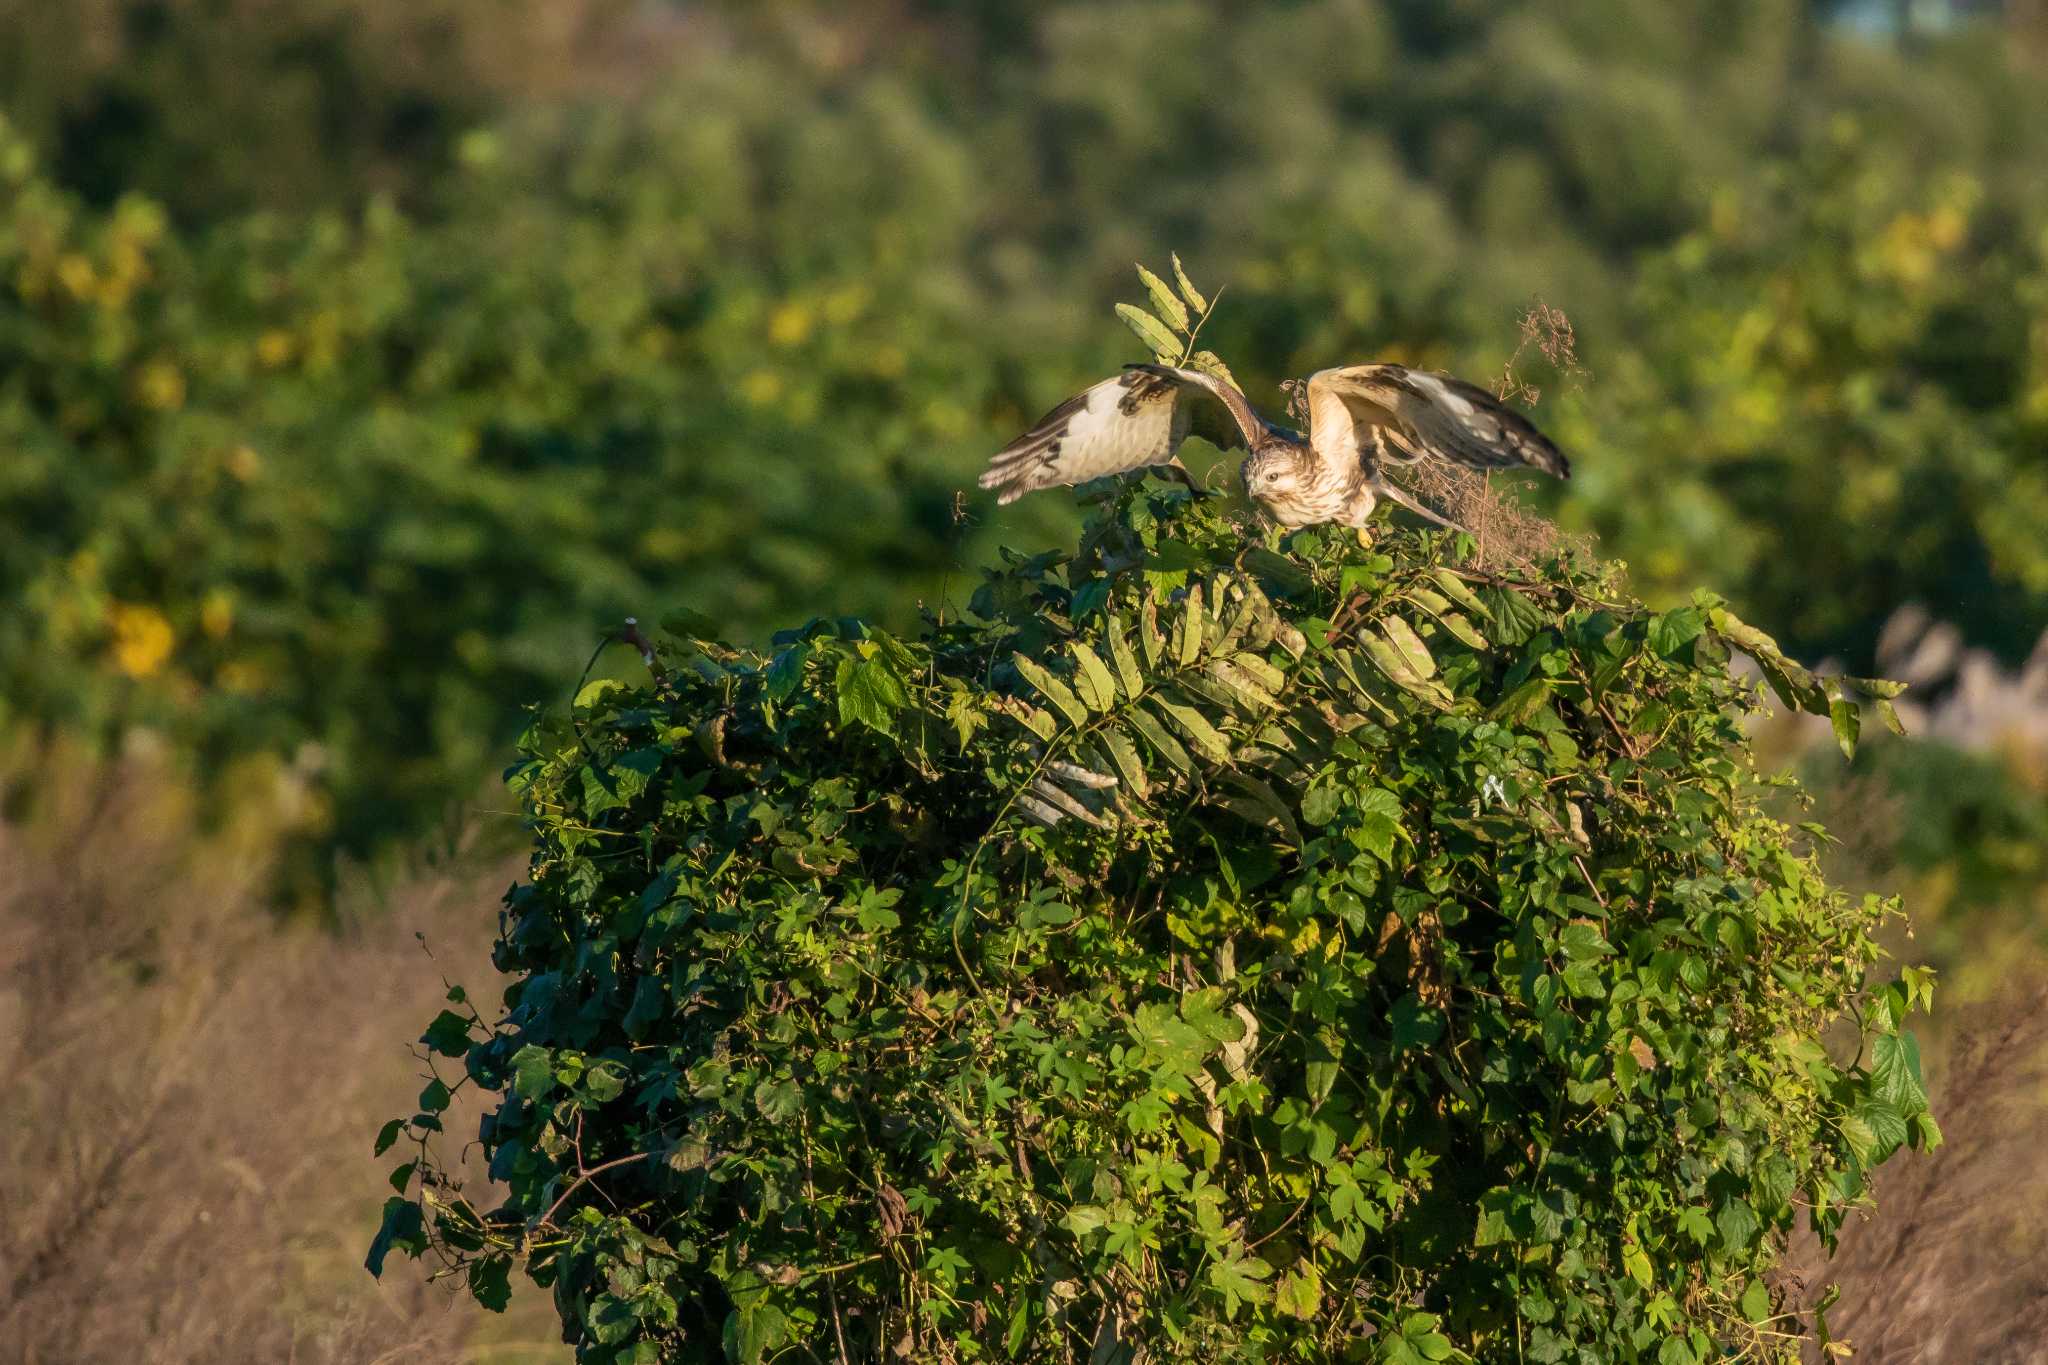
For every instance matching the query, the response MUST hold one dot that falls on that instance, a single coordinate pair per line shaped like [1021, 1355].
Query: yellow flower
[160, 386]
[241, 677]
[790, 325]
[75, 273]
[274, 347]
[142, 638]
[761, 388]
[217, 613]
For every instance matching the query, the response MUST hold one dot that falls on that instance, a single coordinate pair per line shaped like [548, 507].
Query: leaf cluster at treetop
[1205, 948]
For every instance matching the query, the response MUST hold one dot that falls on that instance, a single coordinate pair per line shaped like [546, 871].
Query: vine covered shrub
[1205, 949]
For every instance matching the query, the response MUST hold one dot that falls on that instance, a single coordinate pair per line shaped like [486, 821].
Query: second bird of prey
[1362, 418]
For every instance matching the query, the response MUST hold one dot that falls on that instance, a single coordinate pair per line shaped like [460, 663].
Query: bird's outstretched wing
[1438, 415]
[1132, 421]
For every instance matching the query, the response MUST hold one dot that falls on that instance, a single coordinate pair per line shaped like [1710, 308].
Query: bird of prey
[1361, 419]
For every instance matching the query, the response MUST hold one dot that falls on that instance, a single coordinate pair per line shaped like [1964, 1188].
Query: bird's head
[1273, 473]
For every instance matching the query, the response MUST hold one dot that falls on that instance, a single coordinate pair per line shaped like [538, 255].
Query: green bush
[1199, 950]
[314, 492]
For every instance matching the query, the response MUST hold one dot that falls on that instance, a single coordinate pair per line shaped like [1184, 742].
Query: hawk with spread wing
[1361, 418]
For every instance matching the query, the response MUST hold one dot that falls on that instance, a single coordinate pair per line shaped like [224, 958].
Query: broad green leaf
[533, 1072]
[404, 1229]
[1460, 592]
[1583, 942]
[1895, 1073]
[1187, 639]
[1263, 806]
[1192, 723]
[1299, 1292]
[1247, 691]
[1413, 652]
[595, 690]
[1519, 705]
[1671, 631]
[1162, 742]
[448, 1034]
[870, 693]
[1187, 288]
[1165, 303]
[1127, 671]
[1462, 630]
[1150, 639]
[1092, 678]
[1515, 618]
[1155, 334]
[490, 1282]
[1240, 1280]
[1842, 715]
[1738, 1225]
[1130, 769]
[1053, 690]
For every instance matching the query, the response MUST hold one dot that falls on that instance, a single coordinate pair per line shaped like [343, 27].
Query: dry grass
[1954, 1266]
[1509, 533]
[191, 1089]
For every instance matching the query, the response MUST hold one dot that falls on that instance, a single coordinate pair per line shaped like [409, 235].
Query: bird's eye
[1272, 476]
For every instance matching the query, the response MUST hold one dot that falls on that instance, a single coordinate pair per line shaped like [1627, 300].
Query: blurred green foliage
[337, 438]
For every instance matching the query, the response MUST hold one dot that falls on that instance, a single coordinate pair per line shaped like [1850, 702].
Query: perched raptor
[1361, 418]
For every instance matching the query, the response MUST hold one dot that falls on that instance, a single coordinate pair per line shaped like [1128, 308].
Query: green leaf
[1738, 1225]
[1053, 690]
[1414, 1024]
[448, 1034]
[1165, 302]
[1695, 1224]
[1515, 618]
[1207, 740]
[490, 1282]
[786, 672]
[1163, 743]
[1413, 652]
[1462, 630]
[387, 1135]
[1092, 678]
[434, 1097]
[1583, 942]
[592, 692]
[1187, 640]
[1459, 591]
[1676, 1351]
[1130, 769]
[1847, 724]
[402, 1176]
[403, 1229]
[1187, 288]
[1239, 1279]
[1895, 1072]
[1127, 671]
[1155, 334]
[1518, 706]
[870, 693]
[1672, 631]
[1299, 1292]
[533, 1072]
